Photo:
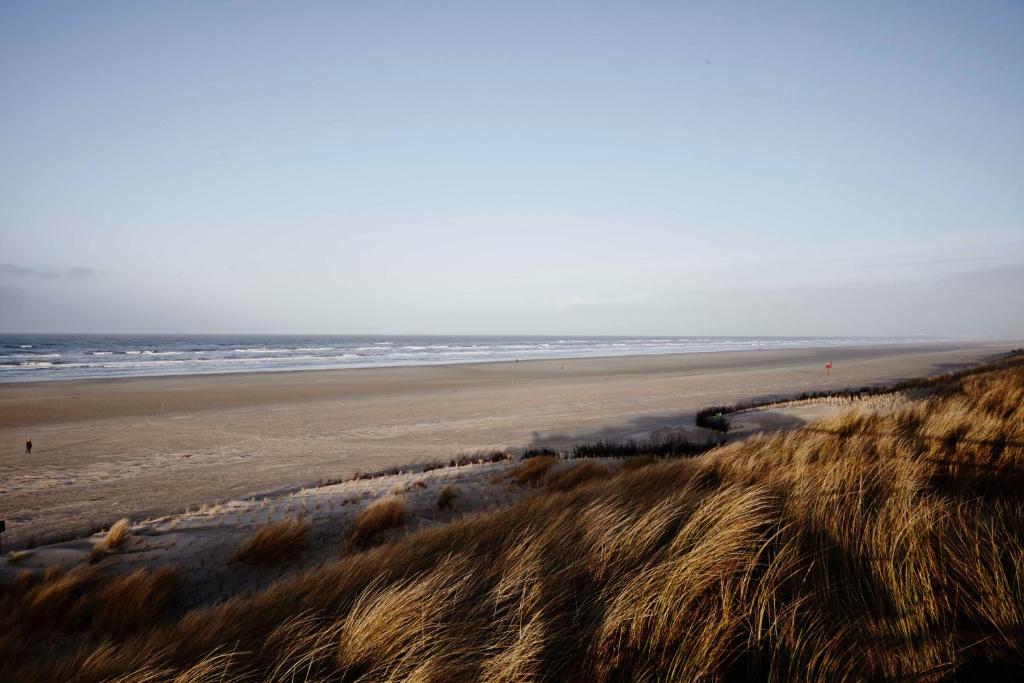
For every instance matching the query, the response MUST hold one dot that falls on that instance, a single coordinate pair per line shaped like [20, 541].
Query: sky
[513, 168]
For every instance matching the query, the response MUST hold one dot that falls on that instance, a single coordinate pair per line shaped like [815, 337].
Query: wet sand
[104, 449]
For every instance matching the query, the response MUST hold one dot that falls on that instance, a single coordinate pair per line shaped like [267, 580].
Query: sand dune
[145, 447]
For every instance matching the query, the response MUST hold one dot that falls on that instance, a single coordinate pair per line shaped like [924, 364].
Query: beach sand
[105, 449]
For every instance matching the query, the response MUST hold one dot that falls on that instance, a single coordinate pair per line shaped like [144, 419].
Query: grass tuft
[637, 462]
[86, 598]
[530, 472]
[18, 556]
[275, 543]
[120, 531]
[446, 499]
[575, 475]
[118, 534]
[375, 519]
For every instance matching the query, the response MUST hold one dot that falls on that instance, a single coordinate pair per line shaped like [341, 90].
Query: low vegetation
[866, 546]
[637, 462]
[670, 447]
[576, 474]
[18, 556]
[375, 519]
[533, 470]
[481, 457]
[58, 608]
[714, 418]
[535, 451]
[120, 531]
[446, 498]
[275, 543]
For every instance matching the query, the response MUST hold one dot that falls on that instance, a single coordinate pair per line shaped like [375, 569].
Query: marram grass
[867, 546]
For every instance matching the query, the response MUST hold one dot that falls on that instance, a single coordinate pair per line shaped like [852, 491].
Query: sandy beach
[142, 447]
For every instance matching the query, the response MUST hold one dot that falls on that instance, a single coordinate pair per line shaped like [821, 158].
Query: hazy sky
[513, 167]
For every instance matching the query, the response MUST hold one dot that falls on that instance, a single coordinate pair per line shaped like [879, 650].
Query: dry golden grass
[637, 462]
[38, 611]
[118, 534]
[446, 498]
[532, 470]
[575, 475]
[868, 546]
[18, 556]
[112, 541]
[375, 519]
[275, 543]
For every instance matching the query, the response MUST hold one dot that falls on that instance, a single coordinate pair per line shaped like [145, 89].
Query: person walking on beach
[28, 446]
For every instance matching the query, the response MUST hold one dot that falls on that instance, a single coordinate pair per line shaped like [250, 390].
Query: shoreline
[147, 446]
[882, 343]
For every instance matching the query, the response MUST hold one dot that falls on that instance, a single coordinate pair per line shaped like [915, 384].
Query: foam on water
[51, 357]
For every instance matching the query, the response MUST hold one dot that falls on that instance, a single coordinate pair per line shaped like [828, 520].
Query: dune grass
[446, 499]
[637, 462]
[18, 556]
[275, 543]
[866, 546]
[575, 475]
[532, 470]
[119, 532]
[38, 612]
[375, 519]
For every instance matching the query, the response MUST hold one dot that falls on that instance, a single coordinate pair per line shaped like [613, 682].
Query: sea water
[30, 357]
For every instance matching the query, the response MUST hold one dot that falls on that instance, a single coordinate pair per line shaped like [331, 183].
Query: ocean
[34, 357]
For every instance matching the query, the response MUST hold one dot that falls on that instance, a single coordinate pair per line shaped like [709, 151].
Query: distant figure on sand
[28, 446]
